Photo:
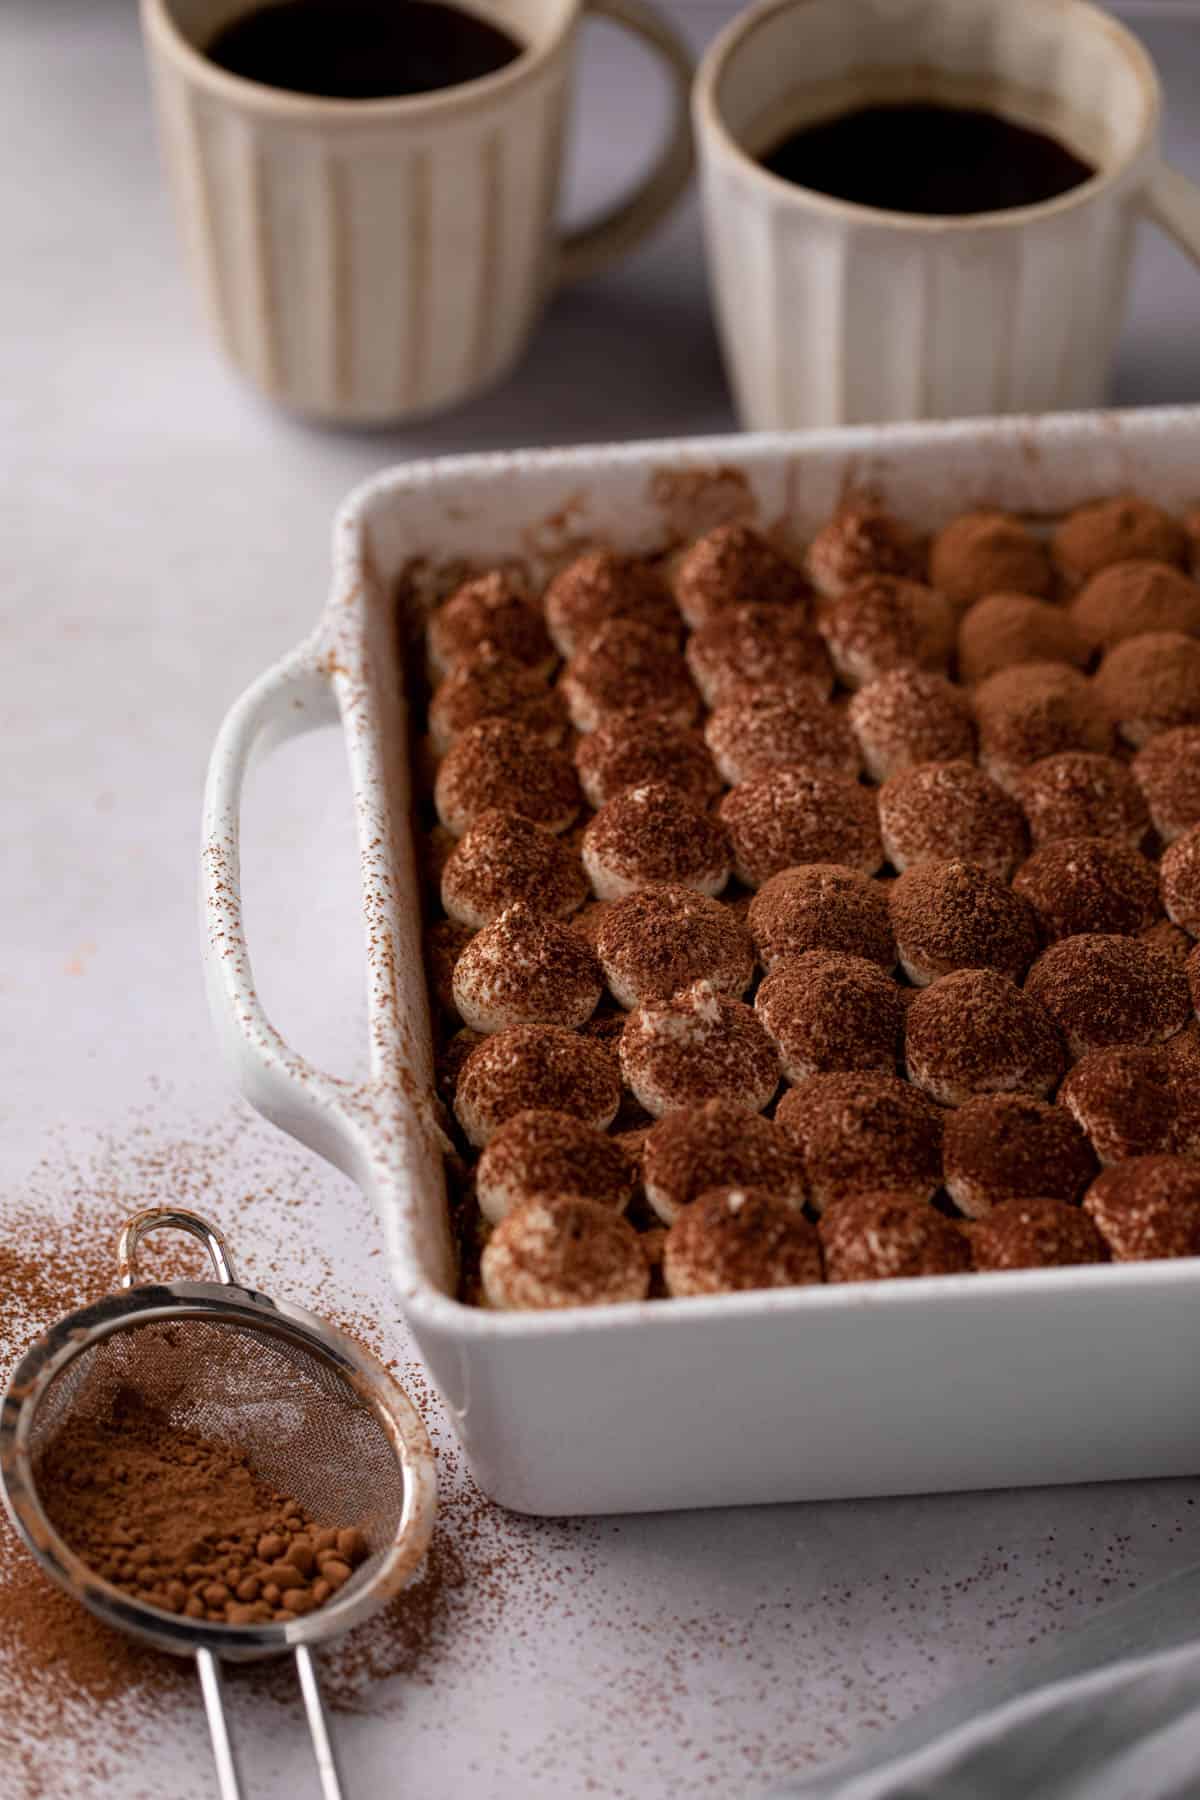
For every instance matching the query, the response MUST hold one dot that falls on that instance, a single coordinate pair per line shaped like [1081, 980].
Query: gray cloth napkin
[1111, 1711]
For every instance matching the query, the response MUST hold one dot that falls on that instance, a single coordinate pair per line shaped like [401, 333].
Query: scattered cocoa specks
[698, 1654]
[61, 1670]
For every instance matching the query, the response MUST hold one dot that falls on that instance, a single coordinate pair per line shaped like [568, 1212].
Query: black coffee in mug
[361, 49]
[922, 157]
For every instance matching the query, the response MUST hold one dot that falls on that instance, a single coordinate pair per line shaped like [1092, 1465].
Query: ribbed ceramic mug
[368, 261]
[833, 313]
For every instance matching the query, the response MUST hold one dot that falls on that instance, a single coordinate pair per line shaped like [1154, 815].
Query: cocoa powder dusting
[732, 564]
[628, 670]
[951, 810]
[863, 540]
[757, 642]
[1004, 630]
[624, 753]
[652, 833]
[988, 552]
[1038, 709]
[908, 716]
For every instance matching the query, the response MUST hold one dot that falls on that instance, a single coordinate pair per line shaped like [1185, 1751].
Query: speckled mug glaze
[833, 313]
[368, 261]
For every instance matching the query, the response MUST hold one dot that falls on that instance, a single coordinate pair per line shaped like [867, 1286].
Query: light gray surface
[164, 537]
[1109, 1709]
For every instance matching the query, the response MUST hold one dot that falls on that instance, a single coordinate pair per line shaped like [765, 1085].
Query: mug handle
[1173, 202]
[615, 233]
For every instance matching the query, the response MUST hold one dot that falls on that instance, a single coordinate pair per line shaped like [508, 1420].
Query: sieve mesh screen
[292, 1411]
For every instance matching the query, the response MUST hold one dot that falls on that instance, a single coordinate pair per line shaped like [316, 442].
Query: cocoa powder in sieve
[60, 1668]
[186, 1524]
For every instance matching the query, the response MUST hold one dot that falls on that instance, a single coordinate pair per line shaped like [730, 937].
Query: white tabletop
[164, 538]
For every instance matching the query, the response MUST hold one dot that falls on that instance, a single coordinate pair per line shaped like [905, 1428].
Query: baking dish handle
[293, 697]
[1173, 202]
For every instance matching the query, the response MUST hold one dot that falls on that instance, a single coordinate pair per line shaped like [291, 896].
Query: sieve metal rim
[230, 1304]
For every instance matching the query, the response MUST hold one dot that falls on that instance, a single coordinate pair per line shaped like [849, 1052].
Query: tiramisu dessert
[654, 833]
[729, 566]
[1035, 1234]
[445, 941]
[1003, 1147]
[757, 645]
[1148, 1207]
[717, 1144]
[1081, 884]
[1179, 875]
[951, 809]
[543, 1153]
[505, 860]
[656, 941]
[535, 1066]
[976, 1032]
[1167, 770]
[909, 716]
[863, 1133]
[1035, 710]
[790, 816]
[1102, 989]
[861, 541]
[887, 623]
[562, 1251]
[625, 753]
[771, 727]
[878, 1237]
[818, 912]
[1151, 684]
[1173, 943]
[626, 670]
[825, 1012]
[1128, 599]
[1005, 630]
[1123, 529]
[492, 609]
[500, 763]
[1126, 1099]
[599, 586]
[988, 552]
[821, 906]
[1079, 794]
[954, 915]
[487, 684]
[735, 1238]
[698, 1045]
[526, 970]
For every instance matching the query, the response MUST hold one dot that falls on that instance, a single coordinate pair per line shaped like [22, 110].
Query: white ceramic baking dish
[883, 1388]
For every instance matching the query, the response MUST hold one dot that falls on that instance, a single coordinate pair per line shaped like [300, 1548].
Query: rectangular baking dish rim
[339, 647]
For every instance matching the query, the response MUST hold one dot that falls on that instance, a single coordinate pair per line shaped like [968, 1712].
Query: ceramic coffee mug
[834, 313]
[368, 261]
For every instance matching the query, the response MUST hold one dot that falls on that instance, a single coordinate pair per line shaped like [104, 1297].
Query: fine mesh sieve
[318, 1417]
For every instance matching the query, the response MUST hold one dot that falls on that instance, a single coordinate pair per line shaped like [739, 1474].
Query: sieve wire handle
[318, 1725]
[229, 1781]
[171, 1218]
